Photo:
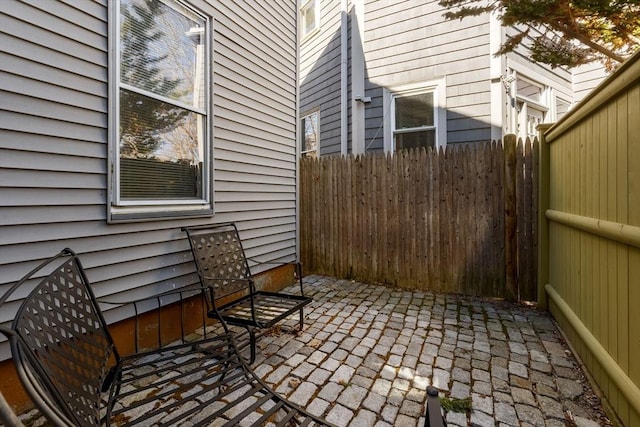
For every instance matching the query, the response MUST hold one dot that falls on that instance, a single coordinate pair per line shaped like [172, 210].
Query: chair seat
[269, 308]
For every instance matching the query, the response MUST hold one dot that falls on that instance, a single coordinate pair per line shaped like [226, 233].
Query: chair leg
[252, 344]
[301, 320]
[299, 273]
[241, 345]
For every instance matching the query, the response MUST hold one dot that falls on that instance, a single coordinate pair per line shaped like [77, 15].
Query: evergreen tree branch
[575, 31]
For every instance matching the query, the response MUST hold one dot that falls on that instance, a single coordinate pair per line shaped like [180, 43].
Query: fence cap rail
[621, 79]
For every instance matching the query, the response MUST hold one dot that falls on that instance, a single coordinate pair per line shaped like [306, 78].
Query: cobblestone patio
[368, 352]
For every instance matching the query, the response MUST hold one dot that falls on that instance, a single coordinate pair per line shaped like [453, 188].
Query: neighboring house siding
[586, 78]
[320, 76]
[558, 78]
[399, 52]
[409, 43]
[53, 144]
[413, 44]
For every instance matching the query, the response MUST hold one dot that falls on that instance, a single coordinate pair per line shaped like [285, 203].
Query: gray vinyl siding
[586, 78]
[320, 75]
[54, 154]
[410, 42]
[405, 42]
[373, 118]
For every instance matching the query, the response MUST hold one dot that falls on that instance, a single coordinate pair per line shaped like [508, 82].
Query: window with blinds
[162, 113]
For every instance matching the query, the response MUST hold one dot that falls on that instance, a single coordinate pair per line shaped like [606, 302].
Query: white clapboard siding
[559, 78]
[586, 78]
[53, 144]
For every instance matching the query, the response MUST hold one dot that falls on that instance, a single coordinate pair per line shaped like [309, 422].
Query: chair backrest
[60, 343]
[220, 258]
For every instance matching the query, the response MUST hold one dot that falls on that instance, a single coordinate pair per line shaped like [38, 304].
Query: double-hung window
[160, 127]
[417, 118]
[562, 108]
[415, 124]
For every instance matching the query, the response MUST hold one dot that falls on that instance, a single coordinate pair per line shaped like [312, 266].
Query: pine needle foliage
[562, 32]
[455, 405]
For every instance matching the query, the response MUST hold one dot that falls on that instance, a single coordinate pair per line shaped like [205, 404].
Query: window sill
[120, 214]
[310, 35]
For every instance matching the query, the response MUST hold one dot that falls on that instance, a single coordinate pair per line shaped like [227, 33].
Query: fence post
[510, 218]
[543, 224]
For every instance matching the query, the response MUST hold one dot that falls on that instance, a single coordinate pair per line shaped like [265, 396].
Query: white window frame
[316, 150]
[304, 6]
[554, 106]
[556, 100]
[543, 103]
[120, 210]
[438, 88]
[521, 116]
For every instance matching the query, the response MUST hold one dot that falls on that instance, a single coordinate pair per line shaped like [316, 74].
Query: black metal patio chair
[69, 365]
[223, 266]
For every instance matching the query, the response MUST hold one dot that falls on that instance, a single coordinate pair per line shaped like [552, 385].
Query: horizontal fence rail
[457, 220]
[590, 235]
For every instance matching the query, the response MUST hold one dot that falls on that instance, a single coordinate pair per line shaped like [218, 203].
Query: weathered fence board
[425, 219]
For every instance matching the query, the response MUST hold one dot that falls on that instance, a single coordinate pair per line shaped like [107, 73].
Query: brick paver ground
[368, 352]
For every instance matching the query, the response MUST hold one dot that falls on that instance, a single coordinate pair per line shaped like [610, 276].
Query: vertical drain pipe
[344, 62]
[357, 77]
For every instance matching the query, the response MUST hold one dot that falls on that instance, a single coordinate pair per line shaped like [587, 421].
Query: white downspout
[357, 77]
[344, 76]
[497, 65]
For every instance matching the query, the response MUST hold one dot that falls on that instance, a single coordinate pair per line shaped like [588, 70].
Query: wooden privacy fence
[457, 220]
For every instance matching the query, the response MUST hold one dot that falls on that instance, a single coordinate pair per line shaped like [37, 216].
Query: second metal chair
[222, 265]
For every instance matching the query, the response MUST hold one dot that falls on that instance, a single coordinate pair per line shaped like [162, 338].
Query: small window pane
[407, 140]
[529, 90]
[310, 132]
[414, 111]
[162, 51]
[153, 179]
[309, 17]
[161, 149]
[562, 107]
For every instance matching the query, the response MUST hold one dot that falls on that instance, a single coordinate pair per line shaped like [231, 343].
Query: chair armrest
[222, 279]
[297, 264]
[7, 332]
[271, 262]
[179, 291]
[157, 317]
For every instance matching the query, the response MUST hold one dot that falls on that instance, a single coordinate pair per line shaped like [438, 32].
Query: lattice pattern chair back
[220, 259]
[63, 337]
